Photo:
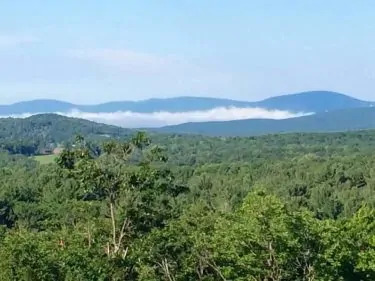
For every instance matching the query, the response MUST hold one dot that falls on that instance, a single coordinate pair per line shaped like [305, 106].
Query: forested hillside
[35, 134]
[278, 207]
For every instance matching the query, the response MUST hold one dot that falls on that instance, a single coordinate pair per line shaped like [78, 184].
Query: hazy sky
[92, 51]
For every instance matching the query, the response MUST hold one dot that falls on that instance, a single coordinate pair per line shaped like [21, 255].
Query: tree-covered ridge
[282, 207]
[38, 133]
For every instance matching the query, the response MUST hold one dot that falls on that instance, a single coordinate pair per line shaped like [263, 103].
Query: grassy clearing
[45, 159]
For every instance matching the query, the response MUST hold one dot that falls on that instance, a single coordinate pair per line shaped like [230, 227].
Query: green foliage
[286, 207]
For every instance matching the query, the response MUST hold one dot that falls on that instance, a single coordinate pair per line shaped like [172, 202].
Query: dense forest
[118, 205]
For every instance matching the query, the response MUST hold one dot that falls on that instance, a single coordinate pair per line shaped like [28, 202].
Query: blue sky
[94, 51]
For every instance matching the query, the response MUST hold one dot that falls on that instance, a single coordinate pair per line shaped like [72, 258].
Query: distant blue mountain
[178, 104]
[315, 101]
[36, 106]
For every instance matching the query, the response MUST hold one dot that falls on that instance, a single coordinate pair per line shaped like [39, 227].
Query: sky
[95, 51]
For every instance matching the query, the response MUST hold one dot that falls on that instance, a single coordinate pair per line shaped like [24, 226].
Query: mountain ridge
[311, 101]
[351, 119]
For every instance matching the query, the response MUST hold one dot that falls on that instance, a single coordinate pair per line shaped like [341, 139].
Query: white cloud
[16, 40]
[130, 119]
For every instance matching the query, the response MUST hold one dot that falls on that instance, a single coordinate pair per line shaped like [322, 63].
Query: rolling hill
[339, 120]
[56, 127]
[32, 135]
[313, 101]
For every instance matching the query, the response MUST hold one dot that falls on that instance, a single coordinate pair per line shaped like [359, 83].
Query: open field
[45, 159]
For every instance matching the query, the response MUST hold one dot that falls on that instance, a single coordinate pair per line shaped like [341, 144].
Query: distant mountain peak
[313, 101]
[319, 93]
